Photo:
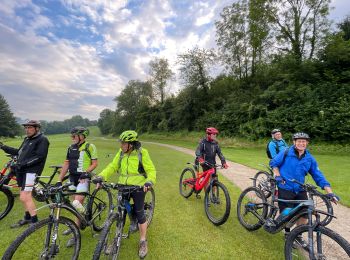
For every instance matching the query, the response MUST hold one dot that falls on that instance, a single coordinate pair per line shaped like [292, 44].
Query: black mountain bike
[44, 239]
[265, 181]
[322, 243]
[109, 244]
[8, 182]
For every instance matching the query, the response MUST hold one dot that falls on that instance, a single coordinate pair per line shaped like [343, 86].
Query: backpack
[141, 170]
[268, 150]
[86, 149]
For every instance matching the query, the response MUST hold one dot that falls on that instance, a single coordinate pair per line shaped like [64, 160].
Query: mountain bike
[44, 239]
[108, 246]
[7, 180]
[265, 181]
[217, 202]
[321, 241]
[8, 183]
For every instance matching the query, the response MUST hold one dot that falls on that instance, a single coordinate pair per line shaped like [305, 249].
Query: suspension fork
[52, 231]
[310, 233]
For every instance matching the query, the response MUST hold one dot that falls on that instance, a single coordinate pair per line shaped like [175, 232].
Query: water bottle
[128, 207]
[77, 205]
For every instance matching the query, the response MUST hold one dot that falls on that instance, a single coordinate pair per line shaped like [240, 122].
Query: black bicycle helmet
[80, 130]
[301, 135]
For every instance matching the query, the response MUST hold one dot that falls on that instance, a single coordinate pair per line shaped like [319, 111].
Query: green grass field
[334, 165]
[179, 230]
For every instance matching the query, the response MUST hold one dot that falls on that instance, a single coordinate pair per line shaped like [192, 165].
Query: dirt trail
[240, 175]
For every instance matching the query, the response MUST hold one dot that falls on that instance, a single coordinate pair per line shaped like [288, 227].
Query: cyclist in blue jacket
[276, 144]
[296, 163]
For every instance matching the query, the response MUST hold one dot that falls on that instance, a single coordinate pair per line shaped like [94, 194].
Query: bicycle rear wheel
[251, 206]
[108, 246]
[322, 203]
[326, 244]
[36, 241]
[261, 181]
[217, 203]
[187, 182]
[6, 202]
[99, 207]
[150, 200]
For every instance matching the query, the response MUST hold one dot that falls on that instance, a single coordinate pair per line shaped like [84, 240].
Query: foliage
[58, 127]
[289, 90]
[8, 125]
[160, 73]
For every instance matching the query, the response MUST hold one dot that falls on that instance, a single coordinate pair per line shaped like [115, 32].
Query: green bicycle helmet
[128, 136]
[80, 130]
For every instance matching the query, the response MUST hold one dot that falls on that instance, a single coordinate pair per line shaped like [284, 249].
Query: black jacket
[31, 154]
[208, 150]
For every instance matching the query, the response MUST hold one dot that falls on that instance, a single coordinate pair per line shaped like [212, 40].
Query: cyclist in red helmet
[207, 150]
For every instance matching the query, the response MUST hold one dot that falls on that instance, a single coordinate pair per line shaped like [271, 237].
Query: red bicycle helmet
[211, 130]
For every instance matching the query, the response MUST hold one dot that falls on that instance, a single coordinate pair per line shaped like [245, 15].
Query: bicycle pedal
[198, 196]
[125, 235]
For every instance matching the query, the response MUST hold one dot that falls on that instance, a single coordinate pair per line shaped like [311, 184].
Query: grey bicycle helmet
[34, 123]
[274, 131]
[301, 135]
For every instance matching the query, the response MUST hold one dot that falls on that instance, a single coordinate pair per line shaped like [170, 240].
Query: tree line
[283, 68]
[10, 125]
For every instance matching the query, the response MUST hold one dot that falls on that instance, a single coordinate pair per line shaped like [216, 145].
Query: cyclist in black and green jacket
[81, 159]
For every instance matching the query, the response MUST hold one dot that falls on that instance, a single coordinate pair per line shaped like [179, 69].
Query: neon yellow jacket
[128, 172]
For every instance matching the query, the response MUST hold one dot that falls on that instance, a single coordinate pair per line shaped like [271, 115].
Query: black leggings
[139, 199]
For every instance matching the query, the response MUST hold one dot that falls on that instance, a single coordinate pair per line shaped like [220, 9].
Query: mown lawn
[335, 166]
[180, 229]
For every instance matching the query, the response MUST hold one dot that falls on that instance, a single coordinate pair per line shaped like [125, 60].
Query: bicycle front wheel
[217, 203]
[149, 204]
[251, 208]
[326, 244]
[6, 202]
[99, 207]
[261, 181]
[108, 246]
[187, 182]
[322, 203]
[42, 241]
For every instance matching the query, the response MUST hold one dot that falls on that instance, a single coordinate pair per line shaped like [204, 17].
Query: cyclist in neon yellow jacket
[134, 167]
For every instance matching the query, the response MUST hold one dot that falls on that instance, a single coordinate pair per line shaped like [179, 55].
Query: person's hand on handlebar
[147, 186]
[334, 198]
[97, 180]
[201, 160]
[280, 179]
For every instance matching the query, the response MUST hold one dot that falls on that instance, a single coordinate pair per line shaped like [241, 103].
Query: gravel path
[240, 175]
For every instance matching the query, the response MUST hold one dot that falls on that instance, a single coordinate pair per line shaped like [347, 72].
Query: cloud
[69, 57]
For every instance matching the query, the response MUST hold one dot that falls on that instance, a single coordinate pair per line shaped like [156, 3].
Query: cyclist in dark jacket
[31, 158]
[207, 150]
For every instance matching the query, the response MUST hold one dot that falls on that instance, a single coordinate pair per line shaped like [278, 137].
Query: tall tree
[8, 125]
[299, 25]
[242, 36]
[160, 73]
[344, 26]
[195, 66]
